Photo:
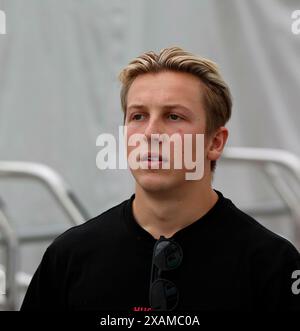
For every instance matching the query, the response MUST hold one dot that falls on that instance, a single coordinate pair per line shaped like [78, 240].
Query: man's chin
[158, 181]
[155, 185]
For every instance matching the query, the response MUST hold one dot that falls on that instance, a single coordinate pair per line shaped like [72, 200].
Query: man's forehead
[169, 91]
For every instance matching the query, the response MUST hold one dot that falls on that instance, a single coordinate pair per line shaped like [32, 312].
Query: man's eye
[174, 117]
[137, 117]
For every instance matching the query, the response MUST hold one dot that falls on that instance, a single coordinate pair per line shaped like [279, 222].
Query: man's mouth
[153, 158]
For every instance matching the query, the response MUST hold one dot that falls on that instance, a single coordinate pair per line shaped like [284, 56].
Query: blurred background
[59, 62]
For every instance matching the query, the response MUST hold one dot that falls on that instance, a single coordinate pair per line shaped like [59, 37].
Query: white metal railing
[272, 162]
[51, 180]
[11, 261]
[11, 240]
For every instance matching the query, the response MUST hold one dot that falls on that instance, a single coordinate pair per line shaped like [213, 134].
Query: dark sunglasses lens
[163, 295]
[167, 255]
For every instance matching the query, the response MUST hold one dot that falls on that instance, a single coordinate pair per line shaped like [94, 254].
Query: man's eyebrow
[176, 105]
[170, 106]
[139, 106]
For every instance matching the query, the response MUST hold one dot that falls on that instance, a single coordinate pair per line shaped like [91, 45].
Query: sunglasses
[167, 255]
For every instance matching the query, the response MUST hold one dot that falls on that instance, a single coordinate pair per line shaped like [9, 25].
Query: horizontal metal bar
[32, 234]
[286, 159]
[52, 180]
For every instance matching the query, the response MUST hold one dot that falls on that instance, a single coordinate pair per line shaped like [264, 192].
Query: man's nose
[154, 126]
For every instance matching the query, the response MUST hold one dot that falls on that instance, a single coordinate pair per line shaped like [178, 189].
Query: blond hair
[216, 97]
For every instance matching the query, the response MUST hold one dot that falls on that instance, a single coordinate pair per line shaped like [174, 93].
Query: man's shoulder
[95, 230]
[251, 233]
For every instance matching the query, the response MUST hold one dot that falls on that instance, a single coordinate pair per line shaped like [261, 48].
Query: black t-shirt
[230, 262]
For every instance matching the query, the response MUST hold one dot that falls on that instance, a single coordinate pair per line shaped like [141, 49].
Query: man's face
[164, 103]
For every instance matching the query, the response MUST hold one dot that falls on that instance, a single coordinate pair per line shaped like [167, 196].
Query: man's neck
[165, 214]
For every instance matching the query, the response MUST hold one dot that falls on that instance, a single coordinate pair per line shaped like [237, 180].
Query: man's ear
[216, 144]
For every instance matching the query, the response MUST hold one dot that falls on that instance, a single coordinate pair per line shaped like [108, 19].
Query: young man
[176, 244]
